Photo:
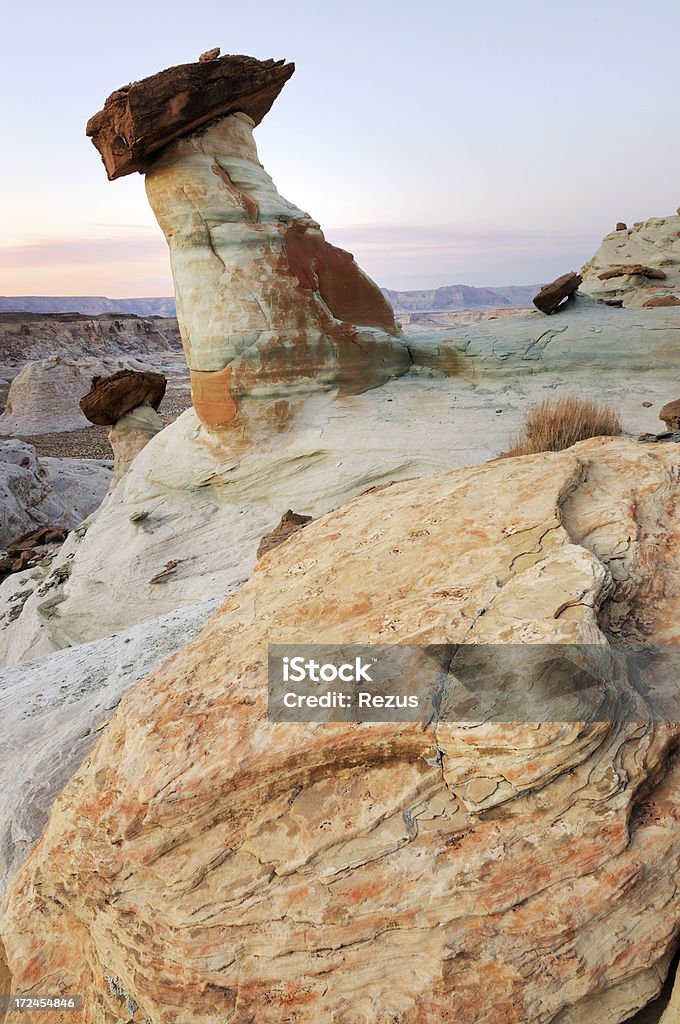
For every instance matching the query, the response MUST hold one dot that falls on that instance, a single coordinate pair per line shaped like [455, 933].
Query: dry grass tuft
[556, 424]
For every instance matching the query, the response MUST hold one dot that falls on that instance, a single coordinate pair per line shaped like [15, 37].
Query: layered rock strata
[269, 311]
[228, 868]
[636, 265]
[54, 710]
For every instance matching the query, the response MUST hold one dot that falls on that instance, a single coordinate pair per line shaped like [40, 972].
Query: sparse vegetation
[555, 424]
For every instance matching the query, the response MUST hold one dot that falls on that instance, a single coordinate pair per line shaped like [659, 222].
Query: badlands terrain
[166, 851]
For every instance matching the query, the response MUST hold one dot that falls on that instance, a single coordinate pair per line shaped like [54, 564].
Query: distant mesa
[74, 307]
[459, 297]
[140, 119]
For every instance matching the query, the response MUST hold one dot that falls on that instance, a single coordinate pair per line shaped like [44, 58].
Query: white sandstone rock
[53, 712]
[269, 311]
[129, 435]
[34, 492]
[653, 243]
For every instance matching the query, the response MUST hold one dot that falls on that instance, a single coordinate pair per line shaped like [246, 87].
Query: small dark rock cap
[552, 295]
[111, 397]
[138, 120]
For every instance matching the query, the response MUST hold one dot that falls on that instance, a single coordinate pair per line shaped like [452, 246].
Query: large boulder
[636, 265]
[44, 396]
[551, 296]
[207, 864]
[670, 414]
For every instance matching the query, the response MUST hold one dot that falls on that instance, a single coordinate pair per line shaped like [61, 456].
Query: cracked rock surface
[204, 864]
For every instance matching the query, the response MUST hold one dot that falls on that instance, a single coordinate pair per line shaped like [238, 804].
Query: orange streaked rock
[212, 864]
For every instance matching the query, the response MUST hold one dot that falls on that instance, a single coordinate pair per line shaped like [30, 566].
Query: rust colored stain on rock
[211, 395]
[349, 294]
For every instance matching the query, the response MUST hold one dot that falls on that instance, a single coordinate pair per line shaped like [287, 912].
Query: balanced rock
[637, 265]
[111, 397]
[140, 119]
[621, 226]
[382, 872]
[129, 435]
[551, 295]
[670, 414]
[269, 312]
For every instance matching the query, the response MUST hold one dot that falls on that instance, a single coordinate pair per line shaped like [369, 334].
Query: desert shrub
[555, 424]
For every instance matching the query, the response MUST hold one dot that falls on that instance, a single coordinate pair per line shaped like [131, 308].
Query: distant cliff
[461, 296]
[26, 336]
[453, 296]
[92, 305]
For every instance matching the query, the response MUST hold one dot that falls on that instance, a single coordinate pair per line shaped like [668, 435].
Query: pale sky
[441, 141]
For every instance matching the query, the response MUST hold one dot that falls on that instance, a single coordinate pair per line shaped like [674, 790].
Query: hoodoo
[269, 311]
